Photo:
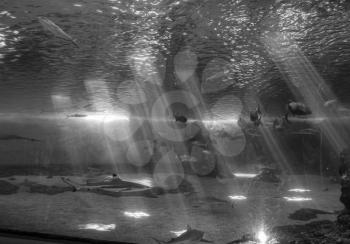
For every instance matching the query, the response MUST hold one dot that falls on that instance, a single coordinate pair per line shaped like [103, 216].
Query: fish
[16, 137]
[218, 75]
[255, 116]
[331, 104]
[189, 235]
[215, 200]
[279, 124]
[56, 30]
[76, 116]
[297, 108]
[306, 214]
[180, 118]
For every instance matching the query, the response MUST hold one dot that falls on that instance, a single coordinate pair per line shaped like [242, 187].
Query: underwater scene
[175, 121]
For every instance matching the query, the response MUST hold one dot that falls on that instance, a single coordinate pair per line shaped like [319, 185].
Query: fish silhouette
[297, 108]
[180, 118]
[190, 235]
[76, 116]
[56, 30]
[16, 137]
[255, 116]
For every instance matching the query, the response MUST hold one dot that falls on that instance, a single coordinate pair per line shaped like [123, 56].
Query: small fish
[331, 104]
[189, 235]
[297, 108]
[218, 75]
[56, 30]
[255, 116]
[76, 116]
[279, 124]
[180, 118]
[15, 137]
[215, 200]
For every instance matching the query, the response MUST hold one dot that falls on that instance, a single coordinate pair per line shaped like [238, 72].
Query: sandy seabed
[208, 208]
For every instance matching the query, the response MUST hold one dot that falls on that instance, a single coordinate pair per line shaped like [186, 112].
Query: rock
[344, 220]
[345, 193]
[267, 175]
[7, 188]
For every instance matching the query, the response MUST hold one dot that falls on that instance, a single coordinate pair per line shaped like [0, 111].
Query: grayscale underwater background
[72, 113]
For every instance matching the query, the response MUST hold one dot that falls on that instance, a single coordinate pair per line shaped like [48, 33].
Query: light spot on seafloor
[299, 190]
[179, 232]
[98, 227]
[237, 197]
[297, 199]
[136, 215]
[244, 175]
[262, 237]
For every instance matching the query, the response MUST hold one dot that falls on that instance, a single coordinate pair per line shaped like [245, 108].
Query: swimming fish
[189, 235]
[15, 137]
[279, 124]
[297, 108]
[255, 116]
[331, 104]
[218, 75]
[180, 118]
[56, 30]
[76, 116]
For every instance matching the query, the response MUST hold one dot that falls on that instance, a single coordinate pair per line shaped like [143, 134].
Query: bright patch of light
[61, 101]
[299, 190]
[136, 215]
[8, 14]
[145, 182]
[178, 233]
[244, 175]
[237, 197]
[2, 40]
[77, 5]
[262, 237]
[99, 227]
[297, 199]
[107, 117]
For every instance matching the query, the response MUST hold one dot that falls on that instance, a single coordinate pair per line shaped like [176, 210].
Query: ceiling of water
[244, 40]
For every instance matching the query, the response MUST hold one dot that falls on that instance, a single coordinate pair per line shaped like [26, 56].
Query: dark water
[107, 103]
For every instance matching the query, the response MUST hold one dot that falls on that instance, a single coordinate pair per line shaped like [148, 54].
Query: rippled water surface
[103, 100]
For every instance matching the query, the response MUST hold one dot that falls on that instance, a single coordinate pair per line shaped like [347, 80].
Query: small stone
[7, 188]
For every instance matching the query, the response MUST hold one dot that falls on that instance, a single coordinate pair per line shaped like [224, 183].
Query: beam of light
[275, 147]
[178, 233]
[99, 93]
[304, 80]
[146, 65]
[300, 190]
[145, 182]
[107, 117]
[98, 227]
[136, 215]
[61, 102]
[237, 197]
[297, 199]
[245, 175]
